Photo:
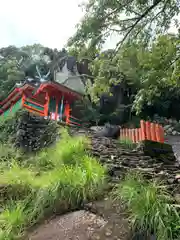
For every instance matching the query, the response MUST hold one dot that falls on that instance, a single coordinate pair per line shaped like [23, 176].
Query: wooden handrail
[36, 103]
[34, 109]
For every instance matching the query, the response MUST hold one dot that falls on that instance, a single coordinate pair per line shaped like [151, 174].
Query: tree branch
[135, 24]
[163, 9]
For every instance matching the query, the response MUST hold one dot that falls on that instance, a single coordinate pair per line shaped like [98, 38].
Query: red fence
[147, 131]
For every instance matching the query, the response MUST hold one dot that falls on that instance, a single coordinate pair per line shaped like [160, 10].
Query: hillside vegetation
[145, 62]
[145, 65]
[56, 180]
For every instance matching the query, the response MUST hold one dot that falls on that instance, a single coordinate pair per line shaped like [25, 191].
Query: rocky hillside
[120, 159]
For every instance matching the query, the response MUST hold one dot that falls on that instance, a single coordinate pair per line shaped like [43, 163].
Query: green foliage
[7, 126]
[12, 65]
[150, 72]
[146, 59]
[159, 71]
[10, 74]
[126, 18]
[81, 52]
[151, 207]
[58, 179]
[127, 143]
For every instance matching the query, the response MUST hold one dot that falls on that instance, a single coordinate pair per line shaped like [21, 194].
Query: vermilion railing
[147, 131]
[33, 106]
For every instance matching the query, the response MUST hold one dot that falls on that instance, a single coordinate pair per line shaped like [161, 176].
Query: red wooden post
[121, 133]
[153, 132]
[126, 133]
[67, 112]
[143, 130]
[140, 135]
[133, 135]
[161, 133]
[46, 106]
[57, 104]
[158, 133]
[148, 134]
[23, 99]
[137, 134]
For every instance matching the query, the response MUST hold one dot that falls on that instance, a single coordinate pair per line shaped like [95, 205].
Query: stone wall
[34, 132]
[28, 132]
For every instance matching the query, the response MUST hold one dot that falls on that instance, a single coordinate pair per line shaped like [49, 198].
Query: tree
[151, 72]
[128, 18]
[10, 74]
[160, 72]
[15, 63]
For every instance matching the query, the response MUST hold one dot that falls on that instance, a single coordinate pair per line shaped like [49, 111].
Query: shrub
[16, 182]
[7, 127]
[58, 190]
[150, 207]
[8, 154]
[12, 221]
[67, 177]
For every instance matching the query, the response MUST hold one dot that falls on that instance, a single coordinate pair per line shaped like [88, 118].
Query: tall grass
[67, 176]
[150, 207]
[127, 143]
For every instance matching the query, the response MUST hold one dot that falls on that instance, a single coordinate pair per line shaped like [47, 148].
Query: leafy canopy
[128, 18]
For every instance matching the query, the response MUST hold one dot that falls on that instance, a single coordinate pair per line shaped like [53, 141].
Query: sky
[49, 22]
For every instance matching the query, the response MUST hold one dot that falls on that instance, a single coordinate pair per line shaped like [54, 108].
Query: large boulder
[109, 131]
[163, 151]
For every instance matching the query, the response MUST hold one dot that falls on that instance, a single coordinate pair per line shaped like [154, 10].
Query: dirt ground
[85, 225]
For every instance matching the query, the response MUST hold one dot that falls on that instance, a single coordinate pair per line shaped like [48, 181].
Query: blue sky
[49, 22]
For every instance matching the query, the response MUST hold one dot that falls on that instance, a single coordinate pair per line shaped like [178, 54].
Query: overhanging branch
[136, 23]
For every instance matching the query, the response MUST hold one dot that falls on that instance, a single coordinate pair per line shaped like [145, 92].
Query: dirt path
[85, 225]
[117, 227]
[76, 225]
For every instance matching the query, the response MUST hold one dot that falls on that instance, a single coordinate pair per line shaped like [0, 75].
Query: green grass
[150, 207]
[57, 179]
[126, 143]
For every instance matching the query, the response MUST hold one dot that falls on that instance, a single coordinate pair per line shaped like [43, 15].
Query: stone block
[157, 149]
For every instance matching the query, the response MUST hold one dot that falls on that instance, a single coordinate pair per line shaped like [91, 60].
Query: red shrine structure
[50, 100]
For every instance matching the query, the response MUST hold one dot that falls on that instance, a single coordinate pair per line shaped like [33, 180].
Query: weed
[150, 207]
[66, 177]
[127, 143]
[13, 219]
